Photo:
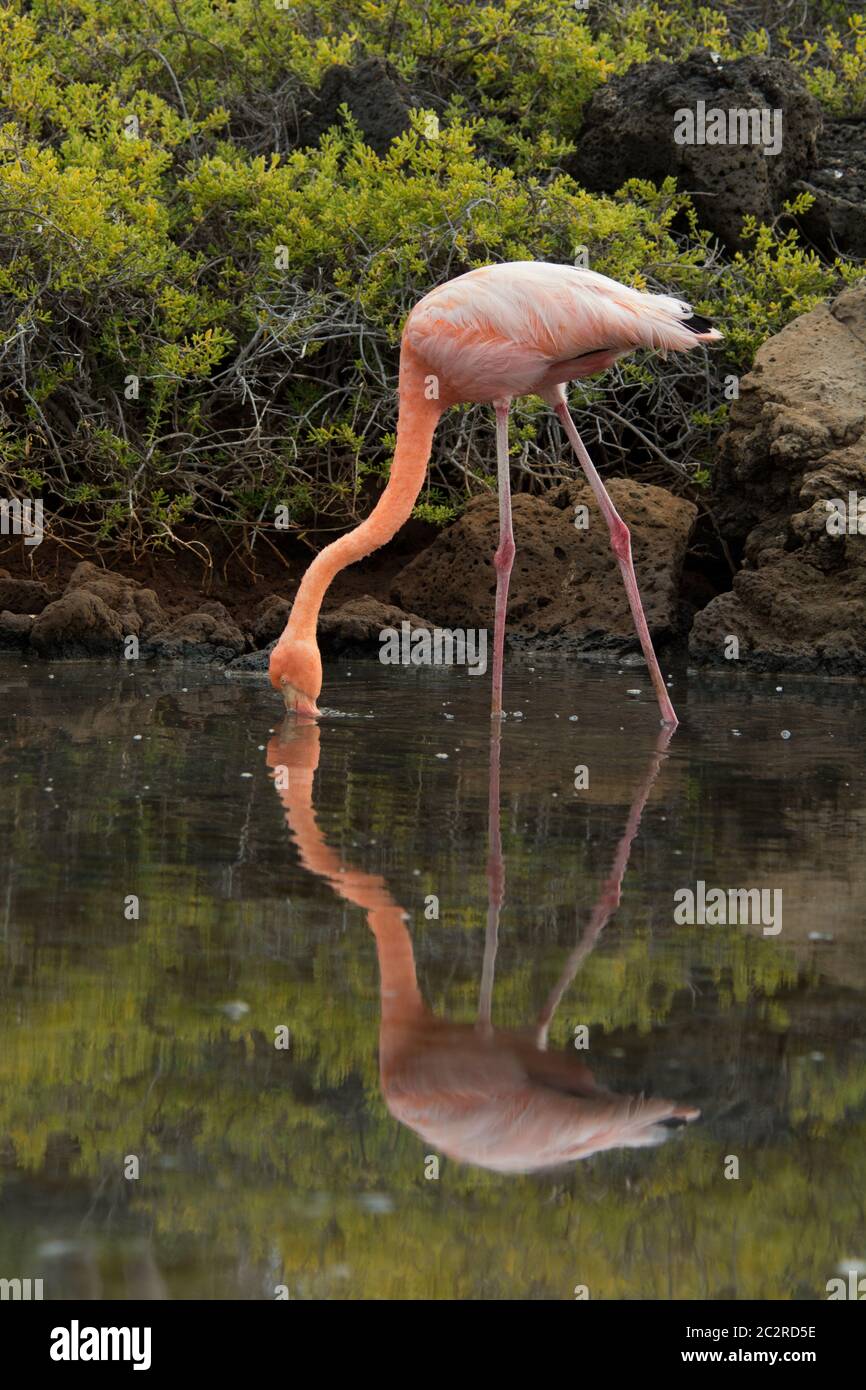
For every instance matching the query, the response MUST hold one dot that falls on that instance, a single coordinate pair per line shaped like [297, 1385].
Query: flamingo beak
[297, 702]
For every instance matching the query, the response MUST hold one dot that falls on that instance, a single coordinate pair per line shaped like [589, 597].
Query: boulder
[356, 627]
[269, 619]
[78, 624]
[208, 635]
[796, 442]
[353, 629]
[376, 95]
[138, 608]
[566, 588]
[629, 124]
[215, 609]
[23, 595]
[15, 629]
[837, 219]
[256, 662]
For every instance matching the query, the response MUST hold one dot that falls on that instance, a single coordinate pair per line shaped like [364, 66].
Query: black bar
[243, 1338]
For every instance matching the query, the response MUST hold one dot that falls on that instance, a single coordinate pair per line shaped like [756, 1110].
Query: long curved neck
[416, 422]
[295, 751]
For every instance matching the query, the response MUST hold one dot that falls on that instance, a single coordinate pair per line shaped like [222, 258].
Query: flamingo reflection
[493, 1097]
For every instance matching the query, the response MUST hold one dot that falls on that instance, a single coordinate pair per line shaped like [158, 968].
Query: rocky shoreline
[770, 586]
[796, 441]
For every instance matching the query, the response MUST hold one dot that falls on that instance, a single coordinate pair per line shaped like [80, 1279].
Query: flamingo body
[514, 329]
[525, 327]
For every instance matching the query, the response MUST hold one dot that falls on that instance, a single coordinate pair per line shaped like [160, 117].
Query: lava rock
[79, 624]
[837, 219]
[23, 595]
[797, 440]
[138, 608]
[208, 635]
[629, 124]
[565, 584]
[352, 630]
[269, 619]
[356, 627]
[15, 629]
[253, 662]
[376, 95]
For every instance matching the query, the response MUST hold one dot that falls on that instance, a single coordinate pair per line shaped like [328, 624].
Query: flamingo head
[295, 670]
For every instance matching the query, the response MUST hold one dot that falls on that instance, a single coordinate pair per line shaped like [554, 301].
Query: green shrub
[197, 330]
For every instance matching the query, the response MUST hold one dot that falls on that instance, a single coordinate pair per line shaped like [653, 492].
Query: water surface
[186, 881]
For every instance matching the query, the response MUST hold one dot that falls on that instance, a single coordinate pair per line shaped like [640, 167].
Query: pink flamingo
[515, 329]
[483, 1095]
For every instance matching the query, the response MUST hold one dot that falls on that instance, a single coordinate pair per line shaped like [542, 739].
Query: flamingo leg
[620, 540]
[504, 557]
[495, 884]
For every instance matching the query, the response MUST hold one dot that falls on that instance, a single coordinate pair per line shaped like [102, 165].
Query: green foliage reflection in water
[112, 1039]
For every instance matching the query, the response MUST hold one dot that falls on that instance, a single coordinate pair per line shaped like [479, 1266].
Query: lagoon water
[186, 882]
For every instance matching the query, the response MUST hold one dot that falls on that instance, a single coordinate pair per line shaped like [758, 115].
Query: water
[182, 890]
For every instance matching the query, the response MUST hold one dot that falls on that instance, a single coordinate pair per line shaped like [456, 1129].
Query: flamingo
[513, 329]
[490, 1097]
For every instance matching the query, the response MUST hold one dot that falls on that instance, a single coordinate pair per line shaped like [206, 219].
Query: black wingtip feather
[698, 324]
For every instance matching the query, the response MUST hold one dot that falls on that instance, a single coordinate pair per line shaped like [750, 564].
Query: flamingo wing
[501, 329]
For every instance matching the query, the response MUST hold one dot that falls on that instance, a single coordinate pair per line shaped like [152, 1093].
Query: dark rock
[788, 617]
[138, 608]
[270, 618]
[15, 629]
[215, 609]
[376, 95]
[566, 583]
[355, 628]
[256, 662]
[797, 440]
[203, 636]
[837, 219]
[23, 595]
[628, 132]
[76, 625]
